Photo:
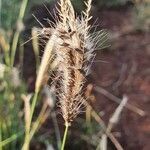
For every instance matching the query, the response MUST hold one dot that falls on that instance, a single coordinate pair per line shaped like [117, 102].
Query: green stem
[26, 144]
[0, 137]
[11, 139]
[14, 46]
[33, 106]
[38, 121]
[17, 33]
[64, 137]
[7, 58]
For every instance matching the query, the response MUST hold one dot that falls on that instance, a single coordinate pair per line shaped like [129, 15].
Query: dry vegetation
[61, 87]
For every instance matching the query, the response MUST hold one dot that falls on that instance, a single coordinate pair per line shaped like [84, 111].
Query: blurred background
[122, 68]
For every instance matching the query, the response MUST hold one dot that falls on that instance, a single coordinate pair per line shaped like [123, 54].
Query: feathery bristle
[87, 14]
[73, 52]
[71, 58]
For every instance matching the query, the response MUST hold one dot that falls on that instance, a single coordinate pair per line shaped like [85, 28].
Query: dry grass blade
[35, 44]
[103, 143]
[104, 128]
[115, 117]
[27, 110]
[112, 121]
[43, 115]
[118, 100]
[45, 62]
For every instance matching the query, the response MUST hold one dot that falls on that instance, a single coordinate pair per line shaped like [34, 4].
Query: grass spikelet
[45, 61]
[63, 12]
[73, 56]
[87, 14]
[71, 47]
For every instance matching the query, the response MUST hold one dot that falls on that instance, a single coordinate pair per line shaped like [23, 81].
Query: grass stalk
[57, 131]
[5, 46]
[39, 121]
[98, 119]
[45, 62]
[17, 33]
[14, 46]
[27, 142]
[88, 115]
[35, 45]
[33, 105]
[65, 136]
[42, 69]
[0, 137]
[27, 120]
[7, 59]
[10, 139]
[27, 133]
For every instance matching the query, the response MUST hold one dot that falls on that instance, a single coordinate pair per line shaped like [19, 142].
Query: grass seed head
[73, 52]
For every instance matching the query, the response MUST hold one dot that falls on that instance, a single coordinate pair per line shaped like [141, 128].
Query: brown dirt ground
[125, 70]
